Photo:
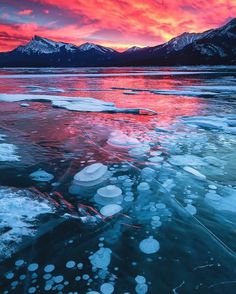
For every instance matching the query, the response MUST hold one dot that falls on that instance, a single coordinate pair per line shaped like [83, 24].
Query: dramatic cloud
[120, 23]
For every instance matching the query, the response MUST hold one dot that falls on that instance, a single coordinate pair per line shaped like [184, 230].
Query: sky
[119, 24]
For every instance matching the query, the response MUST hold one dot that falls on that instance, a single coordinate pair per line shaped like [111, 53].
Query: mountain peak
[89, 46]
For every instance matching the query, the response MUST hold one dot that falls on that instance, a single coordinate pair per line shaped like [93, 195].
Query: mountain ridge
[215, 46]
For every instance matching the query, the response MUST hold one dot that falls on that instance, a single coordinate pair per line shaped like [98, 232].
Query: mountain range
[212, 47]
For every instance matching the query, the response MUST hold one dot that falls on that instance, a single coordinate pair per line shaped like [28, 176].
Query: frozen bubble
[70, 264]
[101, 258]
[212, 196]
[139, 151]
[48, 287]
[156, 153]
[14, 284]
[191, 209]
[110, 209]
[212, 187]
[160, 205]
[33, 267]
[141, 289]
[129, 198]
[140, 279]
[58, 279]
[47, 276]
[109, 191]
[92, 292]
[80, 266]
[143, 186]
[49, 268]
[107, 288]
[77, 278]
[109, 194]
[22, 277]
[91, 175]
[85, 277]
[119, 139]
[155, 159]
[149, 245]
[41, 176]
[32, 290]
[187, 159]
[148, 172]
[19, 262]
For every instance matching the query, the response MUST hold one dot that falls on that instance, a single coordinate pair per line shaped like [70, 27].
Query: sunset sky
[116, 23]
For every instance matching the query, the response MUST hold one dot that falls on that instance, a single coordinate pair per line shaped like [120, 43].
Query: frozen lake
[130, 191]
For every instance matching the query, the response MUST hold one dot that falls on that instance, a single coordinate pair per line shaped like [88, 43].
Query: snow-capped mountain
[91, 46]
[44, 46]
[133, 49]
[179, 42]
[216, 46]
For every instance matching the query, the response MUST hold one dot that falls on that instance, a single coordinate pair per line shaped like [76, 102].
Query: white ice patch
[18, 214]
[8, 152]
[82, 104]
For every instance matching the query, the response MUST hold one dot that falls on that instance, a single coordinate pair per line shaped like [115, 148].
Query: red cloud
[25, 12]
[138, 22]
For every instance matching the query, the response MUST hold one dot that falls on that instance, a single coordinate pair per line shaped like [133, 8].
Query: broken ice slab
[83, 104]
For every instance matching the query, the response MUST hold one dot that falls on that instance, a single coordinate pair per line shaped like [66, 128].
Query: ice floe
[83, 104]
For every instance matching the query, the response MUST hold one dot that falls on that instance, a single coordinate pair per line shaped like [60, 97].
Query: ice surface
[19, 210]
[149, 245]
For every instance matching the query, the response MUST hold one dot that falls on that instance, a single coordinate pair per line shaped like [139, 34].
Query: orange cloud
[25, 12]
